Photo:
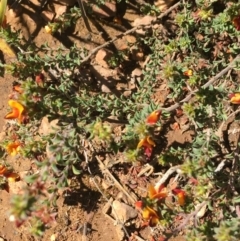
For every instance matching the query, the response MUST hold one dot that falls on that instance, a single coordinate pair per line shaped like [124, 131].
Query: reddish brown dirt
[5, 89]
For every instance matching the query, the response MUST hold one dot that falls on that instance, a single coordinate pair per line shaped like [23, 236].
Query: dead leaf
[202, 210]
[47, 127]
[175, 126]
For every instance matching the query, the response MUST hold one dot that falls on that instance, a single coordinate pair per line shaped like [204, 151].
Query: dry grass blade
[3, 7]
[132, 197]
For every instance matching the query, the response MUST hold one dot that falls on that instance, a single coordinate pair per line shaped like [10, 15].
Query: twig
[191, 215]
[147, 169]
[169, 172]
[118, 185]
[220, 165]
[128, 32]
[188, 218]
[84, 15]
[211, 81]
[138, 238]
[104, 196]
[234, 166]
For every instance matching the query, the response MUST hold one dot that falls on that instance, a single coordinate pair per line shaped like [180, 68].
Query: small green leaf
[76, 171]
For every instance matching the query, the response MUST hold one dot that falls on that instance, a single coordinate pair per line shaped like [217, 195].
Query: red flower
[236, 22]
[39, 79]
[235, 98]
[153, 118]
[181, 195]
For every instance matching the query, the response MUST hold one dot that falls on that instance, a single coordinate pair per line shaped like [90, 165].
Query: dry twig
[132, 30]
[169, 172]
[210, 82]
[131, 197]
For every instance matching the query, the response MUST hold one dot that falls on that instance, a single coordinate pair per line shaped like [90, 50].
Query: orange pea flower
[235, 98]
[188, 73]
[150, 215]
[2, 169]
[236, 22]
[181, 195]
[18, 88]
[157, 193]
[147, 143]
[11, 176]
[17, 111]
[139, 204]
[153, 118]
[13, 148]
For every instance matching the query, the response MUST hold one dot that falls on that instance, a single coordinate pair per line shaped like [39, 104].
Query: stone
[137, 55]
[102, 57]
[48, 16]
[123, 212]
[60, 9]
[136, 72]
[131, 39]
[146, 20]
[105, 89]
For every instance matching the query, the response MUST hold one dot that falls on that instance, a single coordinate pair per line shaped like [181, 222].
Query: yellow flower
[13, 148]
[17, 111]
[48, 29]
